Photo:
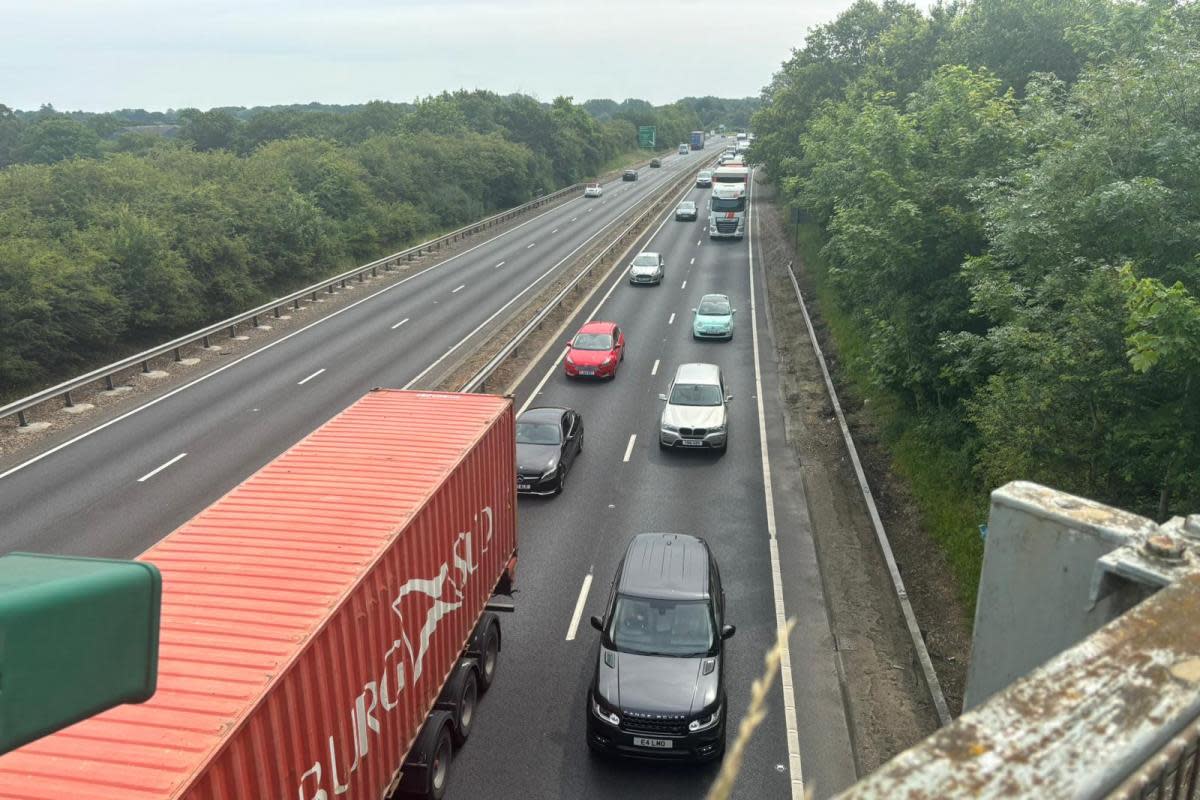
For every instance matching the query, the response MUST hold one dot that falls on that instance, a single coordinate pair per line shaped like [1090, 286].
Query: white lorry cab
[727, 211]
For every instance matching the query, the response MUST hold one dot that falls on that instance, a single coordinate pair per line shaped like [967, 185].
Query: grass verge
[928, 450]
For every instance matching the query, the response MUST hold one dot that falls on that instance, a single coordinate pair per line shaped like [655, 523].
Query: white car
[593, 190]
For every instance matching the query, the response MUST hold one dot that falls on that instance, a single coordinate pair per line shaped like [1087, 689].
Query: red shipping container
[310, 616]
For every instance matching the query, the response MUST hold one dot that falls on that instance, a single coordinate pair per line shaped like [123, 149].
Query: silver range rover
[697, 411]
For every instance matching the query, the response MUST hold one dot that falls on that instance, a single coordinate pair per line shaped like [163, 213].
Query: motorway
[531, 723]
[125, 485]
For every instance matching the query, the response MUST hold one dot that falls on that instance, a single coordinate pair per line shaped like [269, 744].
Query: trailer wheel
[439, 765]
[460, 696]
[426, 770]
[489, 656]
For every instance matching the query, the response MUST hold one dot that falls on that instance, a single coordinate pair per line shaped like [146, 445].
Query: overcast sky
[99, 55]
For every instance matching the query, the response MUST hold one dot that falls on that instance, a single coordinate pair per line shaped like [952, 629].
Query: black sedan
[630, 175]
[548, 440]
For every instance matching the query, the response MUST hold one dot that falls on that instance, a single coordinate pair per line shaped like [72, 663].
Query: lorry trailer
[326, 626]
[697, 140]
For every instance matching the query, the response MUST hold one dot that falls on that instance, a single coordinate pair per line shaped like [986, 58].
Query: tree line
[112, 239]
[1007, 194]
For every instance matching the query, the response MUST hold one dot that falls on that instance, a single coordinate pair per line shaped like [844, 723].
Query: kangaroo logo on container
[403, 663]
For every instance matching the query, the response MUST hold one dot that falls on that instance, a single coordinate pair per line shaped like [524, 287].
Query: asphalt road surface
[124, 486]
[127, 483]
[529, 736]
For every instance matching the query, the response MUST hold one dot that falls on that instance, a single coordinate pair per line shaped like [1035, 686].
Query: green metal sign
[77, 636]
[646, 137]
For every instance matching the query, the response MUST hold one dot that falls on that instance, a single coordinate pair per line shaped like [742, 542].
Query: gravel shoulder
[887, 703]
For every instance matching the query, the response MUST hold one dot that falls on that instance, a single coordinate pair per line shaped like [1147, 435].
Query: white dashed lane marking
[579, 604]
[157, 470]
[310, 377]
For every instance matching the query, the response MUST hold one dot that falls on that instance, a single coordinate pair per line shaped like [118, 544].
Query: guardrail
[478, 381]
[271, 309]
[928, 673]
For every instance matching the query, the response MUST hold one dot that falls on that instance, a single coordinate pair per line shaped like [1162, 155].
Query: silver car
[647, 268]
[697, 410]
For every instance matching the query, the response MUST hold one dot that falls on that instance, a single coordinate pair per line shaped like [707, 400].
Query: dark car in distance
[654, 162]
[629, 175]
[658, 690]
[548, 441]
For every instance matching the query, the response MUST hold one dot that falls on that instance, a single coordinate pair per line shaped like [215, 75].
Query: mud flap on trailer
[502, 595]
[415, 777]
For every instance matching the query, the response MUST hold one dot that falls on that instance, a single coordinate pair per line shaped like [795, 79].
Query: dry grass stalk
[722, 787]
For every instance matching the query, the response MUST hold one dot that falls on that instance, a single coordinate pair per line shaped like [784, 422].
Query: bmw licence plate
[658, 744]
[692, 442]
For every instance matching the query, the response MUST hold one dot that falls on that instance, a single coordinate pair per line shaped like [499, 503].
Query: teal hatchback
[713, 318]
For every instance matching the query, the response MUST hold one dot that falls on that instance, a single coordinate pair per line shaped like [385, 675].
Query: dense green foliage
[111, 238]
[1008, 198]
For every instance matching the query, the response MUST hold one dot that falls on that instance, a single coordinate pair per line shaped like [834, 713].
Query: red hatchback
[595, 351]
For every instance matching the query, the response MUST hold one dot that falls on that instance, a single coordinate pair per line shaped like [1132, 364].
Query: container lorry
[326, 626]
[697, 140]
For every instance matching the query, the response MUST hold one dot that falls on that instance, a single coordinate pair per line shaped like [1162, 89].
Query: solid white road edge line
[620, 279]
[583, 593]
[538, 389]
[785, 661]
[401, 322]
[629, 447]
[157, 470]
[268, 346]
[515, 298]
[310, 377]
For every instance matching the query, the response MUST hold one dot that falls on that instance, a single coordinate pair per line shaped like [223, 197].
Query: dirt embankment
[887, 702]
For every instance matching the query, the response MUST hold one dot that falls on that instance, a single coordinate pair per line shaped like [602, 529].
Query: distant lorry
[326, 626]
[697, 140]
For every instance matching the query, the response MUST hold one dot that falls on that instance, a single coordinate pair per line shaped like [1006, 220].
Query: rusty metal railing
[1112, 714]
[1170, 775]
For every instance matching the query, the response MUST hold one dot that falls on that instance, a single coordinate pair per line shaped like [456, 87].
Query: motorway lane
[542, 684]
[86, 498]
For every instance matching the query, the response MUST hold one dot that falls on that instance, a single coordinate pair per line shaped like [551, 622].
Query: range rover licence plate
[658, 744]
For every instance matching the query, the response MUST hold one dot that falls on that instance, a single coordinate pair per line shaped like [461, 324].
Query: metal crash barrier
[1096, 614]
